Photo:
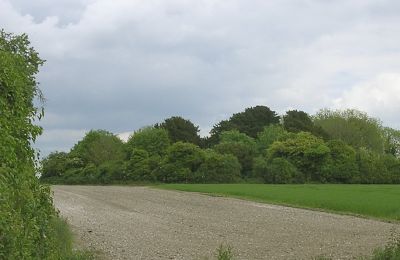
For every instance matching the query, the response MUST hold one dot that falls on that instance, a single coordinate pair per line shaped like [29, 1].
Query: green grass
[376, 201]
[64, 240]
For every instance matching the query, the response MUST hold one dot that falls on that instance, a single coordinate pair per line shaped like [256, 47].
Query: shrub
[218, 168]
[278, 170]
[342, 165]
[306, 152]
[180, 164]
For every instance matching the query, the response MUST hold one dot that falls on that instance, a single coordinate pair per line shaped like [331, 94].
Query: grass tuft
[224, 252]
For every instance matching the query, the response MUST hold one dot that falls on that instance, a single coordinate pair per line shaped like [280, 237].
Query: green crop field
[377, 201]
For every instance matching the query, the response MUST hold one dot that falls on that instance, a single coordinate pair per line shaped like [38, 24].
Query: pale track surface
[148, 223]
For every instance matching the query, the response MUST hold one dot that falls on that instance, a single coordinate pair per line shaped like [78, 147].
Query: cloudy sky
[122, 64]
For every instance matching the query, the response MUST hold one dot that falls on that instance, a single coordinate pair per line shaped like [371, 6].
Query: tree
[353, 127]
[26, 207]
[391, 141]
[141, 165]
[250, 122]
[99, 146]
[306, 152]
[218, 168]
[181, 162]
[279, 170]
[54, 165]
[269, 135]
[180, 129]
[241, 146]
[298, 121]
[155, 141]
[342, 166]
[372, 167]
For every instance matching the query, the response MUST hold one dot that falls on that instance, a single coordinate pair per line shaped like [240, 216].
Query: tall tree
[353, 127]
[250, 122]
[180, 129]
[299, 121]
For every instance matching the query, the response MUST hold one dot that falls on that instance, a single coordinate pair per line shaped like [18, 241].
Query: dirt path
[146, 223]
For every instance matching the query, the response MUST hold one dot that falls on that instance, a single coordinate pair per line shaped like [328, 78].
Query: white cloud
[380, 97]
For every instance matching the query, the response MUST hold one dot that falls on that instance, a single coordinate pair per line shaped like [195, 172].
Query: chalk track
[148, 223]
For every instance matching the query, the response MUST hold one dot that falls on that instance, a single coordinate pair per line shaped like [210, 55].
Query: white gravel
[148, 223]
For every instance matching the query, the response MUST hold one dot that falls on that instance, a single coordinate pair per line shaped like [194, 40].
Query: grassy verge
[376, 201]
[64, 240]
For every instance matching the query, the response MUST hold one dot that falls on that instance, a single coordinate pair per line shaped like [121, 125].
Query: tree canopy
[180, 129]
[353, 127]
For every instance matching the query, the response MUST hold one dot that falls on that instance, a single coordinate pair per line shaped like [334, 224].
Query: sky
[120, 65]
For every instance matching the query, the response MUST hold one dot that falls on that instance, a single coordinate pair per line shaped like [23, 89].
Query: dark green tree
[181, 162]
[240, 145]
[342, 166]
[54, 165]
[299, 121]
[251, 122]
[180, 129]
[279, 170]
[218, 168]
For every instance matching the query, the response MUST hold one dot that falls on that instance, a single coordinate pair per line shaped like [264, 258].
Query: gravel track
[148, 223]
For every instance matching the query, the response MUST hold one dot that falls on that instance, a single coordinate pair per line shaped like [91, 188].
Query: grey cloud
[120, 65]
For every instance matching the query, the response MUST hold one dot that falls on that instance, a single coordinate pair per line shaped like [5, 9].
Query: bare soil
[148, 223]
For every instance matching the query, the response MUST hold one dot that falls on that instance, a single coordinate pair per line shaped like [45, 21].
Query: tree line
[255, 145]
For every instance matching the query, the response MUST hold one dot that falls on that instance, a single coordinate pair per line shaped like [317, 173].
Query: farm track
[147, 223]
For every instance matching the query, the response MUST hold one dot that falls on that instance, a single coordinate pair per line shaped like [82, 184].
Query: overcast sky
[123, 64]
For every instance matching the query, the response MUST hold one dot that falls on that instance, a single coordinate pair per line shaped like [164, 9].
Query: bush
[278, 170]
[180, 164]
[155, 141]
[342, 165]
[239, 145]
[218, 168]
[306, 152]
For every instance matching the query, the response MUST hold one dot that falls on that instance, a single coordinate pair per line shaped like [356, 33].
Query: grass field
[377, 201]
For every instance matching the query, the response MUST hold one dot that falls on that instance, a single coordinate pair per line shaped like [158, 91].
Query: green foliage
[342, 166]
[26, 209]
[372, 167]
[298, 121]
[180, 129]
[306, 152]
[55, 164]
[391, 141]
[390, 252]
[224, 252]
[269, 135]
[353, 127]
[181, 162]
[155, 141]
[98, 146]
[250, 122]
[241, 146]
[64, 241]
[279, 170]
[218, 168]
